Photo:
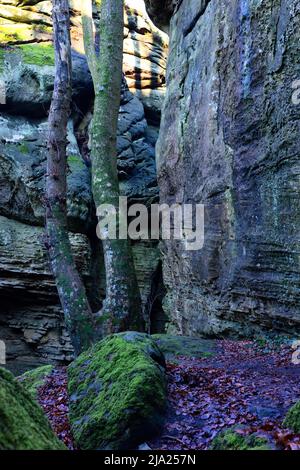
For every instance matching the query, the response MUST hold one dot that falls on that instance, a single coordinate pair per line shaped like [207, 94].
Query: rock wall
[31, 320]
[161, 11]
[230, 139]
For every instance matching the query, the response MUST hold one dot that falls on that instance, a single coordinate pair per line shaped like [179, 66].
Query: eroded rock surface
[31, 320]
[230, 139]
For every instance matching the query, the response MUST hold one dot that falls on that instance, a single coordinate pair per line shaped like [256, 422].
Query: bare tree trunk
[77, 312]
[122, 305]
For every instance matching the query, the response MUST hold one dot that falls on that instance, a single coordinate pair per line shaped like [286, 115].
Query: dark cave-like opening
[157, 317]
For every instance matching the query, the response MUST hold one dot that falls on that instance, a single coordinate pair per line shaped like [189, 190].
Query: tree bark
[122, 306]
[77, 312]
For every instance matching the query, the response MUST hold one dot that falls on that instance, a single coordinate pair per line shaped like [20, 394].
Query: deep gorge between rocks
[206, 117]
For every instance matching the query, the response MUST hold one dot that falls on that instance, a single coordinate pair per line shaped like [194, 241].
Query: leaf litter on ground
[244, 384]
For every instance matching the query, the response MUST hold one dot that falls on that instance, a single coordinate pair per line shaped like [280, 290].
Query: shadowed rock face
[31, 321]
[230, 139]
[161, 11]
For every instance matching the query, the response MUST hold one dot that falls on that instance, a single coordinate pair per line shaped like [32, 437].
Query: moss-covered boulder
[292, 419]
[232, 439]
[23, 425]
[117, 392]
[35, 378]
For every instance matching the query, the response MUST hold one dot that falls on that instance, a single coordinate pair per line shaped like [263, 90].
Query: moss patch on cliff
[23, 425]
[17, 33]
[75, 160]
[24, 148]
[292, 420]
[117, 392]
[232, 440]
[9, 36]
[34, 379]
[40, 54]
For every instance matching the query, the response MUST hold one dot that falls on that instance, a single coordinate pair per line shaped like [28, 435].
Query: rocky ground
[248, 383]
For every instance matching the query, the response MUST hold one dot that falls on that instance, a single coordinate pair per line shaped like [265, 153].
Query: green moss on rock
[24, 148]
[34, 379]
[40, 54]
[231, 439]
[117, 392]
[292, 420]
[23, 425]
[75, 160]
[11, 34]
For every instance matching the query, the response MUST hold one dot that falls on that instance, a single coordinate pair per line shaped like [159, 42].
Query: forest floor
[242, 383]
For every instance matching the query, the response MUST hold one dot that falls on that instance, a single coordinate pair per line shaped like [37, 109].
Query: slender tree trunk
[77, 312]
[122, 305]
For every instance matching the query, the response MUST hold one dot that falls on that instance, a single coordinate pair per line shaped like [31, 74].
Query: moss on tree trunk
[122, 306]
[77, 312]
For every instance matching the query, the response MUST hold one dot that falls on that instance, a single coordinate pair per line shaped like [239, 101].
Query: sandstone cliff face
[31, 321]
[230, 139]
